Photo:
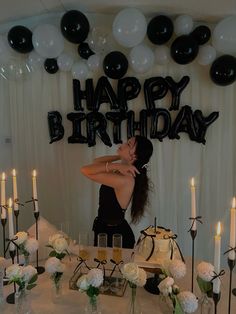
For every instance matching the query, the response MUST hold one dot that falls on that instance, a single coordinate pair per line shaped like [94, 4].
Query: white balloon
[6, 51]
[224, 36]
[206, 55]
[65, 62]
[48, 41]
[80, 70]
[15, 69]
[129, 27]
[141, 58]
[35, 61]
[183, 25]
[100, 40]
[162, 55]
[94, 62]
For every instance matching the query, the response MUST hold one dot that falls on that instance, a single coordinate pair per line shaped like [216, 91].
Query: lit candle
[15, 196]
[3, 196]
[10, 225]
[216, 281]
[232, 229]
[35, 194]
[193, 203]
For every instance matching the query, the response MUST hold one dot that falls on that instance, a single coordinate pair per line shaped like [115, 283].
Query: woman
[122, 182]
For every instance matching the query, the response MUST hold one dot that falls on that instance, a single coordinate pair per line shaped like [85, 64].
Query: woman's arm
[107, 158]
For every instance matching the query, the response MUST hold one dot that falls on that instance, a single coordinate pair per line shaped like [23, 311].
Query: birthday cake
[155, 245]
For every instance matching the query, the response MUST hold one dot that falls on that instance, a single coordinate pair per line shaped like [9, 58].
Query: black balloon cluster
[159, 120]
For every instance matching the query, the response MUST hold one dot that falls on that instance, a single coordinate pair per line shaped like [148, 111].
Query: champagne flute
[117, 257]
[102, 244]
[83, 246]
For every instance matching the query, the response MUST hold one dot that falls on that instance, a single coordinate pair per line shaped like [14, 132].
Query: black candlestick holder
[40, 269]
[3, 222]
[16, 214]
[193, 234]
[216, 299]
[11, 297]
[231, 264]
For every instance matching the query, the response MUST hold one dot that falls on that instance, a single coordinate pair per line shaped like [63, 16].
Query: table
[73, 302]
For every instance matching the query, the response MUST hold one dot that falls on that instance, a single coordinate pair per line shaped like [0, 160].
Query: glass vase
[165, 305]
[26, 260]
[57, 287]
[206, 304]
[134, 304]
[1, 286]
[23, 302]
[93, 305]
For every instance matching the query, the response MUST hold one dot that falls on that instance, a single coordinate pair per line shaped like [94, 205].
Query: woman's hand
[126, 170]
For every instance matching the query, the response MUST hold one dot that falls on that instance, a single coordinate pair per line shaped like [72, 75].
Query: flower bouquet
[90, 284]
[2, 268]
[59, 245]
[136, 277]
[182, 302]
[26, 245]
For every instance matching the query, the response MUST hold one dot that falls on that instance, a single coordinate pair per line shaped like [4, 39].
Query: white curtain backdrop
[66, 198]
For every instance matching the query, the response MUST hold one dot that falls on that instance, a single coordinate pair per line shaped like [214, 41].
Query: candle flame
[3, 176]
[192, 182]
[234, 202]
[34, 173]
[14, 172]
[218, 230]
[10, 202]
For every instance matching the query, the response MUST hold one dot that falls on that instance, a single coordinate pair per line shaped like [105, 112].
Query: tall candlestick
[232, 229]
[216, 282]
[3, 195]
[15, 195]
[35, 194]
[10, 225]
[193, 204]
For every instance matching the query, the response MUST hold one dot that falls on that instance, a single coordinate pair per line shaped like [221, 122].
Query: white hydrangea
[54, 237]
[54, 265]
[165, 286]
[82, 283]
[28, 272]
[95, 277]
[177, 268]
[205, 271]
[60, 245]
[21, 237]
[188, 301]
[134, 274]
[14, 271]
[31, 245]
[142, 278]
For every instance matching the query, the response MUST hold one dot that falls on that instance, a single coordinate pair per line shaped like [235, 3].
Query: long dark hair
[143, 153]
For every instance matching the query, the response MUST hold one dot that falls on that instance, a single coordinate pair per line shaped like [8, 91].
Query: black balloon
[176, 89]
[160, 29]
[115, 65]
[203, 123]
[56, 129]
[154, 88]
[20, 39]
[128, 88]
[140, 125]
[84, 51]
[104, 93]
[156, 114]
[75, 26]
[223, 70]
[184, 49]
[201, 34]
[116, 118]
[50, 65]
[76, 118]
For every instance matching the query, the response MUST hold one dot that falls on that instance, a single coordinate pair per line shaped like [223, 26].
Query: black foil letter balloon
[184, 49]
[115, 65]
[50, 65]
[154, 88]
[128, 88]
[20, 39]
[156, 114]
[203, 123]
[223, 70]
[76, 118]
[74, 26]
[176, 89]
[160, 29]
[116, 118]
[56, 129]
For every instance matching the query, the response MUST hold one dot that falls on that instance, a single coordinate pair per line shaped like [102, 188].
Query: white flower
[14, 271]
[142, 278]
[2, 263]
[165, 286]
[54, 265]
[205, 271]
[95, 277]
[21, 236]
[188, 301]
[31, 245]
[177, 268]
[60, 245]
[28, 272]
[82, 283]
[54, 237]
[134, 274]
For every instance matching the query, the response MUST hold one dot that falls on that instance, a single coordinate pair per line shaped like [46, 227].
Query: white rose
[165, 286]
[95, 277]
[177, 268]
[28, 272]
[54, 237]
[60, 245]
[31, 245]
[54, 265]
[21, 236]
[14, 271]
[3, 263]
[130, 271]
[188, 301]
[82, 283]
[205, 271]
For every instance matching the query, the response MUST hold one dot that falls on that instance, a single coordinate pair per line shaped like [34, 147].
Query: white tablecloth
[73, 302]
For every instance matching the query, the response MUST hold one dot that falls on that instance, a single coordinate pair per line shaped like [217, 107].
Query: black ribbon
[230, 249]
[173, 243]
[16, 201]
[221, 273]
[198, 218]
[81, 262]
[152, 236]
[116, 265]
[103, 263]
[11, 241]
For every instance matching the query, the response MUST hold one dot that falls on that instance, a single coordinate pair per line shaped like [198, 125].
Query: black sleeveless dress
[111, 219]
